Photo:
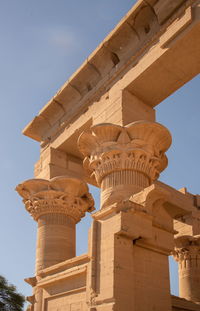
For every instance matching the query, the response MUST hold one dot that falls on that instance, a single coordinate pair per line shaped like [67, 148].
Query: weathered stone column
[187, 253]
[57, 205]
[124, 160]
[132, 234]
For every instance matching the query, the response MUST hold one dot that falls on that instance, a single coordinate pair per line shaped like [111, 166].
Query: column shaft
[187, 253]
[189, 280]
[55, 240]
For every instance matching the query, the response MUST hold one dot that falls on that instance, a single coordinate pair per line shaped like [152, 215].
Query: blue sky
[42, 44]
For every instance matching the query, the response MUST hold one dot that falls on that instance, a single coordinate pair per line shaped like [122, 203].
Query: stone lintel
[116, 106]
[153, 40]
[174, 202]
[189, 224]
[54, 162]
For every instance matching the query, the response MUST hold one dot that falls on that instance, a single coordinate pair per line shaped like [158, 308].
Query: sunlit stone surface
[100, 128]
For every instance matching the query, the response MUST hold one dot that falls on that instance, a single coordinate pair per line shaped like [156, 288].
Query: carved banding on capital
[61, 195]
[187, 251]
[139, 147]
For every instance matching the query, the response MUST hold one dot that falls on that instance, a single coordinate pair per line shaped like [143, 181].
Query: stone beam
[156, 44]
[54, 162]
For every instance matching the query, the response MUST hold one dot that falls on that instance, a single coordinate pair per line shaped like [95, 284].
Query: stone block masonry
[100, 128]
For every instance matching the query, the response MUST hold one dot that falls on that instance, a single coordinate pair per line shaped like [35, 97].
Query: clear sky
[42, 43]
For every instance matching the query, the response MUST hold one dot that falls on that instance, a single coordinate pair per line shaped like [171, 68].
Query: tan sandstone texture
[100, 128]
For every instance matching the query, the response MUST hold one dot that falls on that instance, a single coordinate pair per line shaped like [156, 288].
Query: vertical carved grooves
[187, 252]
[54, 219]
[188, 261]
[125, 177]
[55, 241]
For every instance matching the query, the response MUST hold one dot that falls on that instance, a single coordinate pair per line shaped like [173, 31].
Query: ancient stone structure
[187, 251]
[100, 129]
[57, 206]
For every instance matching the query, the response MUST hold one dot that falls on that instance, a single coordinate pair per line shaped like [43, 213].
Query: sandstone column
[187, 253]
[132, 234]
[57, 205]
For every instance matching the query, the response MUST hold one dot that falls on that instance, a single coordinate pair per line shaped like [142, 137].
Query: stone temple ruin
[100, 129]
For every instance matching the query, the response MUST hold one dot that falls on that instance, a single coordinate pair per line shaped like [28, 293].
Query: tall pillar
[132, 234]
[187, 253]
[124, 160]
[57, 205]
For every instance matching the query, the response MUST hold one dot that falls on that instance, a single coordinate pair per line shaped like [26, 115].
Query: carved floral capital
[187, 248]
[63, 195]
[139, 146]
